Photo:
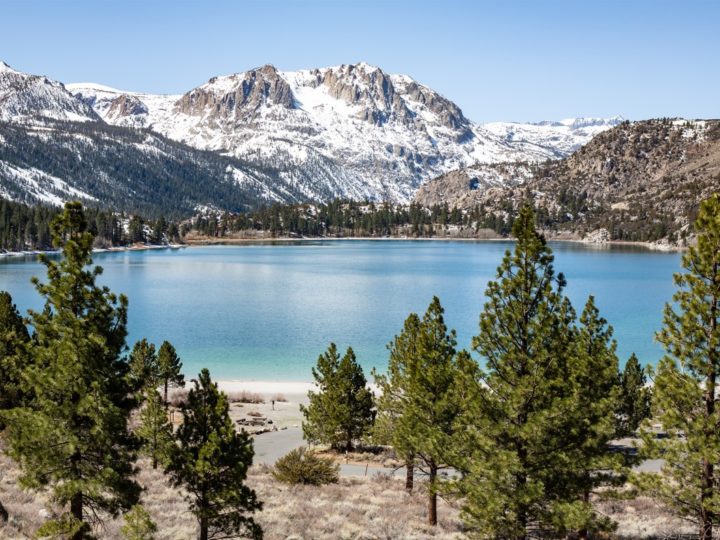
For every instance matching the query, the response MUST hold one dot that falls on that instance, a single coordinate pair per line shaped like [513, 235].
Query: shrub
[244, 397]
[280, 398]
[302, 466]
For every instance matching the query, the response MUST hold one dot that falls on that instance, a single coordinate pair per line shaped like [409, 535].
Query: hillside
[640, 181]
[123, 168]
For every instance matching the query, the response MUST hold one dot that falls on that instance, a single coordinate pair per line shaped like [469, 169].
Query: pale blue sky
[498, 60]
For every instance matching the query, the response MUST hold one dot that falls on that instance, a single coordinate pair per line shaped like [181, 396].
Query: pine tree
[72, 436]
[155, 431]
[685, 389]
[13, 338]
[342, 411]
[421, 393]
[593, 376]
[211, 463]
[138, 524]
[144, 366]
[517, 470]
[169, 369]
[393, 399]
[635, 397]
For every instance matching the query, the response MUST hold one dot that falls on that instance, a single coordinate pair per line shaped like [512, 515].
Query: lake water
[265, 312]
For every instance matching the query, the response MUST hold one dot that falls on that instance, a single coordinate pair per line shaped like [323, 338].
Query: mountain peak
[6, 68]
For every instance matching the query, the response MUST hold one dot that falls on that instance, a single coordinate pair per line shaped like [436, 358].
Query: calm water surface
[265, 312]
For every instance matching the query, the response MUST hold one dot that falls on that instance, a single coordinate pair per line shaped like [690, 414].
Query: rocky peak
[23, 95]
[126, 105]
[4, 68]
[238, 97]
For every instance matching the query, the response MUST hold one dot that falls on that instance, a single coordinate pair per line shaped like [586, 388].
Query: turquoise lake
[265, 312]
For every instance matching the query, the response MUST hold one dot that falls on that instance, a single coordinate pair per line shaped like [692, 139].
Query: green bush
[302, 466]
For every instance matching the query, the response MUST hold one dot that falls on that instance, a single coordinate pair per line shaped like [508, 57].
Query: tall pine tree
[144, 367]
[421, 396]
[685, 397]
[169, 369]
[635, 397]
[155, 431]
[73, 435]
[211, 463]
[13, 339]
[525, 459]
[393, 399]
[593, 377]
[341, 412]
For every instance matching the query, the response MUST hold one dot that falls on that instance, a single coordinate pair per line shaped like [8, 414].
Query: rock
[599, 236]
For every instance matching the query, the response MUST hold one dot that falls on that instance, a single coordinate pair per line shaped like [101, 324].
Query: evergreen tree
[136, 229]
[393, 399]
[73, 435]
[685, 390]
[211, 463]
[155, 430]
[144, 366]
[421, 393]
[169, 369]
[517, 469]
[138, 524]
[635, 397]
[593, 376]
[13, 338]
[342, 411]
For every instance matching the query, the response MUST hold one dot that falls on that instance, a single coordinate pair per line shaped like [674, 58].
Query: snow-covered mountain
[31, 96]
[351, 131]
[347, 131]
[563, 137]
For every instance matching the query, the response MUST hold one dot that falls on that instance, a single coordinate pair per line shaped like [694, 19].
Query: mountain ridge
[349, 131]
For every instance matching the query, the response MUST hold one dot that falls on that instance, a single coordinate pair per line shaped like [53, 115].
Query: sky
[498, 60]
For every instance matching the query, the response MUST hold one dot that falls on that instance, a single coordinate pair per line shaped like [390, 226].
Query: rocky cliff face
[466, 188]
[237, 98]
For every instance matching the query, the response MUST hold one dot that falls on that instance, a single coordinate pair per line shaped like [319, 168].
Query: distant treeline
[350, 218]
[24, 227]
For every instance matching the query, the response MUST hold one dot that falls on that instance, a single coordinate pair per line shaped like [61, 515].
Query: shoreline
[266, 388]
[135, 247]
[227, 241]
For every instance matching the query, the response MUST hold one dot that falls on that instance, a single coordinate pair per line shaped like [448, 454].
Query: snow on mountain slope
[24, 96]
[564, 137]
[348, 131]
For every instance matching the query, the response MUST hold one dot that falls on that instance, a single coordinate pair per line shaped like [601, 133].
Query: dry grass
[356, 508]
[279, 398]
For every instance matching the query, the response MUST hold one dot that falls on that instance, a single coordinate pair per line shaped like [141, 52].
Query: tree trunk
[203, 528]
[165, 393]
[3, 514]
[708, 477]
[521, 481]
[583, 533]
[409, 475]
[432, 496]
[76, 509]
